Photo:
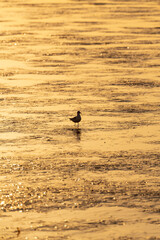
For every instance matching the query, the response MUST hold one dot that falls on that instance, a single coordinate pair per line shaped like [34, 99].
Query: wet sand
[101, 180]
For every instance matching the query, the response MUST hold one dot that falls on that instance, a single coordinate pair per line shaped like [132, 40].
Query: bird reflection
[77, 133]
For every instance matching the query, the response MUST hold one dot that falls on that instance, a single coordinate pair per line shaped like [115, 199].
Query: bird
[77, 118]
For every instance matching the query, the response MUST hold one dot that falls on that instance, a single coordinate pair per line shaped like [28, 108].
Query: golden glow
[98, 181]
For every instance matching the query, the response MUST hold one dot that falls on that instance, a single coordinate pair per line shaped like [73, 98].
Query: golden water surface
[100, 180]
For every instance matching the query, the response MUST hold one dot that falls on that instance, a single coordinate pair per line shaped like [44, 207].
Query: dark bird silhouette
[77, 118]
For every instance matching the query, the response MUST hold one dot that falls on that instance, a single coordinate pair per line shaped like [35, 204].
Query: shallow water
[101, 180]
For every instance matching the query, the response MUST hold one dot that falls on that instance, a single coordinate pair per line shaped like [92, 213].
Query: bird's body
[77, 118]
